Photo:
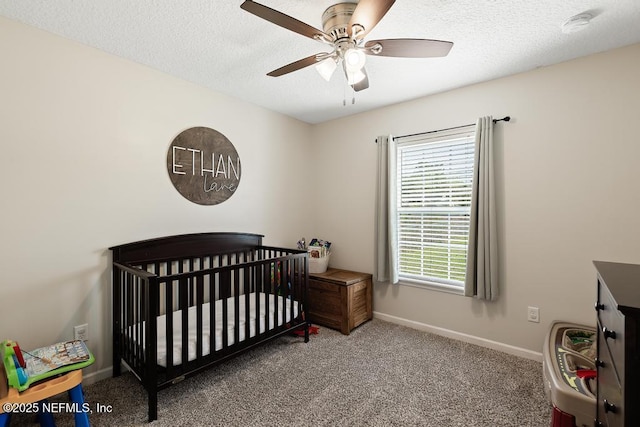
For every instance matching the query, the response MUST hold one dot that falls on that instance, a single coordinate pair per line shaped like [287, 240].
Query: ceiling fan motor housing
[335, 20]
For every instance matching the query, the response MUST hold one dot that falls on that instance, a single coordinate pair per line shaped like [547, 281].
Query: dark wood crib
[184, 303]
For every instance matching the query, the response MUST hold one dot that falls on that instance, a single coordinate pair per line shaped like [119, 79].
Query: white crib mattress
[283, 305]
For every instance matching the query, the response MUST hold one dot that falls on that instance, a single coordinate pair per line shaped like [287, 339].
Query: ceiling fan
[345, 26]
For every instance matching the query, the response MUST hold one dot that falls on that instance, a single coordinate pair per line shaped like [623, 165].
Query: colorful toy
[569, 373]
[25, 368]
[313, 330]
[56, 369]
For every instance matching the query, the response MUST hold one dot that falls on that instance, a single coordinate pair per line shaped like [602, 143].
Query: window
[433, 203]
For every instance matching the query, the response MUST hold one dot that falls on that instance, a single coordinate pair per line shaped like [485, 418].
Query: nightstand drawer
[610, 403]
[611, 325]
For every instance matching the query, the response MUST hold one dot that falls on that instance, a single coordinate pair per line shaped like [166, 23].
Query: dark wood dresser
[618, 360]
[340, 299]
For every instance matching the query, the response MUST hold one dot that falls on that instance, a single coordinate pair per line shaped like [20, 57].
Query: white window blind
[434, 177]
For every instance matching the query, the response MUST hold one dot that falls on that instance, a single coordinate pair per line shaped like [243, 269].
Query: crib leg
[306, 332]
[153, 405]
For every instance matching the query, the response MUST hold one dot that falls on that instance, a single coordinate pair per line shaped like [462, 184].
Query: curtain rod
[504, 119]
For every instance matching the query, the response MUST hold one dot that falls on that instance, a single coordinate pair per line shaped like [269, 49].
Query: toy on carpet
[312, 330]
[569, 373]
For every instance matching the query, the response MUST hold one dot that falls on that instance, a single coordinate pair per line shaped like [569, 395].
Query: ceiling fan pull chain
[344, 96]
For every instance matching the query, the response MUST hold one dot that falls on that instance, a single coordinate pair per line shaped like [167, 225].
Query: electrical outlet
[533, 314]
[81, 332]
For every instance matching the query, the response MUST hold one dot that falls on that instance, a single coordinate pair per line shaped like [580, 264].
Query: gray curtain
[385, 269]
[482, 257]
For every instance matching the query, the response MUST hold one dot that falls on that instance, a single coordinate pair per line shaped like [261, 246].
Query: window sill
[423, 284]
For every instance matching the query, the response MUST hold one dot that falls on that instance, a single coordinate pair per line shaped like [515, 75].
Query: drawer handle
[609, 407]
[599, 306]
[608, 333]
[599, 363]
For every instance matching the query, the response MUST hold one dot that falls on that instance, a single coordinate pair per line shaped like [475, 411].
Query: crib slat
[156, 271]
[168, 332]
[132, 321]
[267, 291]
[276, 286]
[192, 286]
[257, 315]
[225, 310]
[199, 300]
[183, 289]
[247, 302]
[284, 293]
[212, 313]
[182, 284]
[138, 315]
[128, 316]
[236, 305]
[295, 280]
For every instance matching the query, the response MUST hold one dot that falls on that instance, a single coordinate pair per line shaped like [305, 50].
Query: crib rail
[206, 298]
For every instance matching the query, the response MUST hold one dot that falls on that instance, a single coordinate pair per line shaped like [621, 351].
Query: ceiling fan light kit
[354, 59]
[326, 68]
[354, 76]
[344, 27]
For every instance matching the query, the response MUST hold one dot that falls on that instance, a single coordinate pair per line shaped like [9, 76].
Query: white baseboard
[94, 377]
[483, 342]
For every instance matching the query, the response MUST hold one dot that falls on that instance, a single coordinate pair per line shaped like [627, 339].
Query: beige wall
[84, 139]
[568, 177]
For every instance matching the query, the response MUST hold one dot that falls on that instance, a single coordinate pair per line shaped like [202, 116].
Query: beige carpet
[380, 375]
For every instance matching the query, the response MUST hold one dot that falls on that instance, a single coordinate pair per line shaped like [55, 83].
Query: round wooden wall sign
[204, 166]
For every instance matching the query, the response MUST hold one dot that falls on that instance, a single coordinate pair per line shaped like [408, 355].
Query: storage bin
[319, 265]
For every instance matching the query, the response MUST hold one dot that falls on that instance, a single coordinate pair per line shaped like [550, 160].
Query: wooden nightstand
[340, 299]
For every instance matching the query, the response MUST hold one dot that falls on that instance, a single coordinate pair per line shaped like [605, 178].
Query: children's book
[45, 359]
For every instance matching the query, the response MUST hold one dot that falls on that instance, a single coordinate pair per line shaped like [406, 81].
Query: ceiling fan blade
[367, 14]
[408, 48]
[297, 65]
[362, 84]
[285, 21]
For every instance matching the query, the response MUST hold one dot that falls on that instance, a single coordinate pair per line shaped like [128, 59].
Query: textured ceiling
[216, 44]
